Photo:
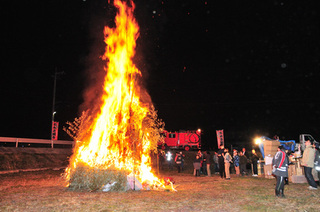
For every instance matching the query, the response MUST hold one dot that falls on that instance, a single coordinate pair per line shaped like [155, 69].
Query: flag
[55, 128]
[220, 138]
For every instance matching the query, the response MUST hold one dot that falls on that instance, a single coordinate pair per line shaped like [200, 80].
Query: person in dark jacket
[182, 161]
[286, 179]
[221, 162]
[243, 163]
[245, 153]
[196, 166]
[254, 160]
[209, 163]
[178, 160]
[216, 163]
[280, 169]
[204, 163]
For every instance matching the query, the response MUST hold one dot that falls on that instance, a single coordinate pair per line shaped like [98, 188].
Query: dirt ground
[46, 191]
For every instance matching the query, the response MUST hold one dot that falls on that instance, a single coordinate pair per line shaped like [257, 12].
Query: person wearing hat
[280, 169]
[308, 163]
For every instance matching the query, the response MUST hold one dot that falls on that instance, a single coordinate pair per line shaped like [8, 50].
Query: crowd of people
[224, 162]
[237, 162]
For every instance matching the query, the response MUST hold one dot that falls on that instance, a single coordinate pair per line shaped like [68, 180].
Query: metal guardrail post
[17, 142]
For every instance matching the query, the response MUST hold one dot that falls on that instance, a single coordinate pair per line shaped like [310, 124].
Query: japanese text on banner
[220, 138]
[55, 127]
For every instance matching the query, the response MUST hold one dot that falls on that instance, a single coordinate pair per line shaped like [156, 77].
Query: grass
[45, 191]
[24, 160]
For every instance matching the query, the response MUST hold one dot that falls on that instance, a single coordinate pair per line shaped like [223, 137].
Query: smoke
[100, 14]
[103, 14]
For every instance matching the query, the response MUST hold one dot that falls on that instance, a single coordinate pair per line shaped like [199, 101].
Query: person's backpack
[317, 161]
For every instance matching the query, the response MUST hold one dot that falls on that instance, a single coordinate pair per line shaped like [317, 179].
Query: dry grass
[20, 158]
[93, 179]
[45, 191]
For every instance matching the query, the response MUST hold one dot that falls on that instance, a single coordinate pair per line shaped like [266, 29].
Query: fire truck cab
[181, 140]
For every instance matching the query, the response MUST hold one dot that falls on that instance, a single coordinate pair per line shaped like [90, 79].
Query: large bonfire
[113, 145]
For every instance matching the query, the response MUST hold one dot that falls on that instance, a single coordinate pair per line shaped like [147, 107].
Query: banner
[220, 138]
[55, 128]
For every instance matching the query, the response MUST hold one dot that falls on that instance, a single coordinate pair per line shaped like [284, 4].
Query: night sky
[248, 67]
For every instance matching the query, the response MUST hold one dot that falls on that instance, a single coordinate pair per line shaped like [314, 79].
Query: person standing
[169, 159]
[201, 160]
[245, 153]
[196, 166]
[204, 163]
[227, 161]
[221, 162]
[317, 161]
[236, 162]
[243, 163]
[280, 169]
[216, 163]
[182, 161]
[209, 162]
[178, 160]
[161, 156]
[308, 163]
[254, 160]
[286, 179]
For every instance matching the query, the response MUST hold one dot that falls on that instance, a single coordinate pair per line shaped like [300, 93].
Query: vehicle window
[172, 135]
[309, 138]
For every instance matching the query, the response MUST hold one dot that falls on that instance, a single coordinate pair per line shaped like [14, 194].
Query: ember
[120, 137]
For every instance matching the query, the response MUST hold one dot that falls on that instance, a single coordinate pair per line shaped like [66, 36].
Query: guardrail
[35, 141]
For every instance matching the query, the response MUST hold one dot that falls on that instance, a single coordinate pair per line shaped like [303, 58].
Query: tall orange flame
[117, 137]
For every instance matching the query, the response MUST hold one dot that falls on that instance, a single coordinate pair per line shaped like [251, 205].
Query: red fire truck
[181, 140]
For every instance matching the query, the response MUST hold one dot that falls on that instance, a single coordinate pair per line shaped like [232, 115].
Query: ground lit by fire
[123, 133]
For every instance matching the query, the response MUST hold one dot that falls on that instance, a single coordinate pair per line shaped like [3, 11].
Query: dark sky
[248, 67]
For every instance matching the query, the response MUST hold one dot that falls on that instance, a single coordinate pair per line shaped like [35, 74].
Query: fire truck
[181, 140]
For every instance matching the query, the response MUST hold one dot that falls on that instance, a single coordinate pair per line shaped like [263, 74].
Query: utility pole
[54, 102]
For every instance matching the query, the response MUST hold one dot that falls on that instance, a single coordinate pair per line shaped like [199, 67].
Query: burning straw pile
[95, 178]
[113, 145]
